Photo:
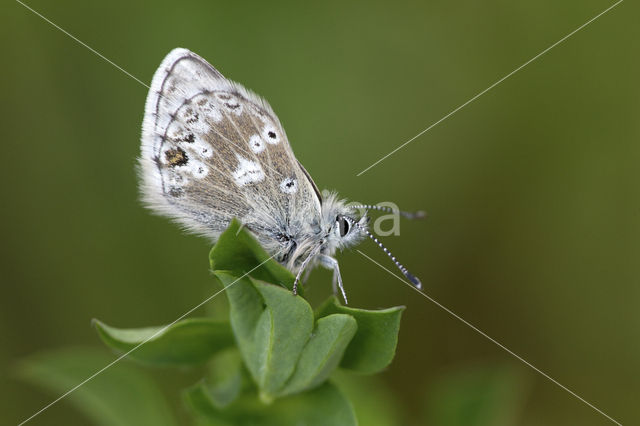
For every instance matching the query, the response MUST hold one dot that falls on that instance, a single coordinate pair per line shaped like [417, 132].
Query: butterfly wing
[212, 150]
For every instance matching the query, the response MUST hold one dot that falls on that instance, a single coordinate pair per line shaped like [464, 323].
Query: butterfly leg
[311, 255]
[331, 263]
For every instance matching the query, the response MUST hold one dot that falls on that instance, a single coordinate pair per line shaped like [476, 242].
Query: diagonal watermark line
[85, 45]
[482, 333]
[140, 344]
[490, 87]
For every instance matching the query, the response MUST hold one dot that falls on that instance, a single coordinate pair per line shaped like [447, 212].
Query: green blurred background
[532, 191]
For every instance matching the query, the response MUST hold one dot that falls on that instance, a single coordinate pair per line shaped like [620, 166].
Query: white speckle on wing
[271, 134]
[177, 132]
[197, 169]
[229, 102]
[176, 179]
[201, 148]
[256, 144]
[233, 106]
[192, 118]
[187, 114]
[207, 107]
[247, 172]
[289, 185]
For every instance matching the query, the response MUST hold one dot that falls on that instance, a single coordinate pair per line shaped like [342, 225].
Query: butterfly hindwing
[212, 150]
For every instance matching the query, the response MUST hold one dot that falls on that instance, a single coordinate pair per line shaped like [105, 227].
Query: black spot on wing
[176, 157]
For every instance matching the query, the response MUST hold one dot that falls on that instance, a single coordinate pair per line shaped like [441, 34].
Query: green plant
[269, 364]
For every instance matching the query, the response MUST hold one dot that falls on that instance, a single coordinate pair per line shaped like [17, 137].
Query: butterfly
[212, 150]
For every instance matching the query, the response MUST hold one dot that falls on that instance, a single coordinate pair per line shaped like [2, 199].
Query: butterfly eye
[343, 225]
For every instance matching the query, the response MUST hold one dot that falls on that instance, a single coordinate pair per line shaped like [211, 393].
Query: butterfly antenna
[420, 214]
[414, 280]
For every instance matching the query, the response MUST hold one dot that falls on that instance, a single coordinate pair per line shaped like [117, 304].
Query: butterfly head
[350, 230]
[343, 226]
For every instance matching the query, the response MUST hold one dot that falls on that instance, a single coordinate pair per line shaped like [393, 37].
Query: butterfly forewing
[212, 150]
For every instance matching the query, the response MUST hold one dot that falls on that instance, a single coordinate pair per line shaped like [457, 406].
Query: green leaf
[322, 353]
[120, 396]
[374, 344]
[478, 396]
[271, 327]
[374, 403]
[324, 405]
[225, 379]
[238, 251]
[284, 350]
[187, 342]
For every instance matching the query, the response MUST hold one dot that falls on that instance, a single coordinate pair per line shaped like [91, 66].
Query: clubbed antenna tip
[415, 281]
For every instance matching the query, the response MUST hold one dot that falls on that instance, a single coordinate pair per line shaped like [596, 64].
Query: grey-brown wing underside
[212, 150]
